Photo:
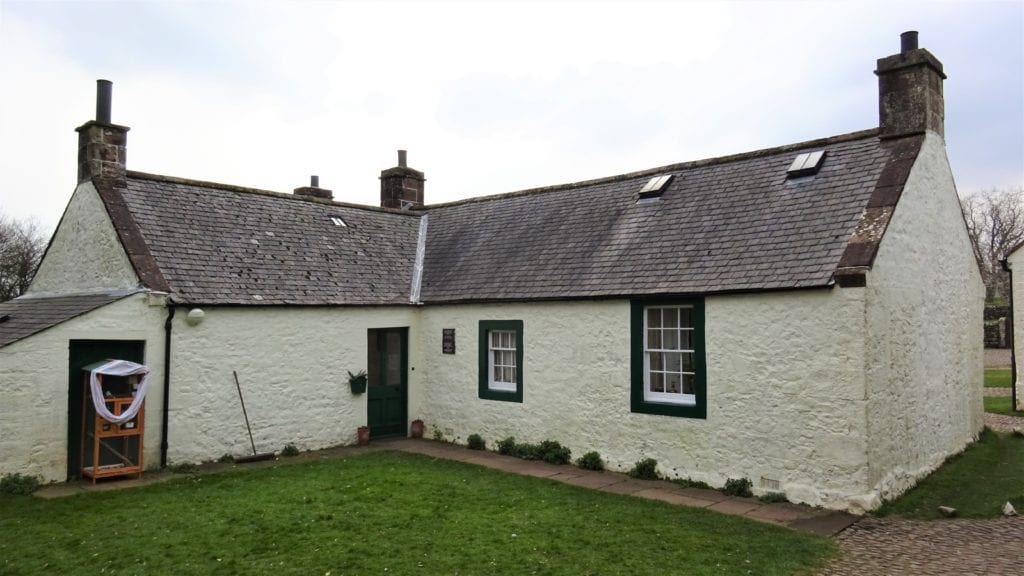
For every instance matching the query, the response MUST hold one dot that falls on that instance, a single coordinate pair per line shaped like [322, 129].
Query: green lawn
[977, 482]
[390, 514]
[997, 378]
[1001, 405]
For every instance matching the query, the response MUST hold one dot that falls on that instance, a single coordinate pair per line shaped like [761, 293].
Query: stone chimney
[910, 91]
[102, 146]
[314, 189]
[401, 187]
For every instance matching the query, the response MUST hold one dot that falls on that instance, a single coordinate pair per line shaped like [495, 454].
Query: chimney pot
[908, 41]
[104, 89]
[314, 181]
[402, 158]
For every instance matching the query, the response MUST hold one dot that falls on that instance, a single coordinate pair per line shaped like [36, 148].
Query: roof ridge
[848, 137]
[246, 190]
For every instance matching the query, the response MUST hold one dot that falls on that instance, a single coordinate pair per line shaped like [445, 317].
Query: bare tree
[21, 246]
[995, 222]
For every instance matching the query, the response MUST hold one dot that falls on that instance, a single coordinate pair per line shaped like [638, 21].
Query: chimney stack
[314, 189]
[910, 91]
[401, 187]
[102, 146]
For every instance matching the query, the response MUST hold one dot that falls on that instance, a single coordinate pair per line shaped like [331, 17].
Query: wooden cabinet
[109, 449]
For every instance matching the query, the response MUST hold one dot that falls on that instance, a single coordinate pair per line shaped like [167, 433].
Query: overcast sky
[488, 97]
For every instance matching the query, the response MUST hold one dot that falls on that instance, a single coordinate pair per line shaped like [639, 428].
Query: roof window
[806, 164]
[655, 186]
[338, 221]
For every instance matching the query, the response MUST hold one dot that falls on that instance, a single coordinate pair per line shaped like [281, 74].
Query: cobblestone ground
[890, 546]
[998, 391]
[1001, 423]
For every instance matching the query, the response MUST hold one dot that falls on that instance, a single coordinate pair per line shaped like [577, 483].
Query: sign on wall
[448, 340]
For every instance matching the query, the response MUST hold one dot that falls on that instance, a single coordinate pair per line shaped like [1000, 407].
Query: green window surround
[668, 369]
[501, 360]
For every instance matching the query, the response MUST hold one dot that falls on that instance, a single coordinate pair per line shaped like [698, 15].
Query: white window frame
[492, 361]
[668, 397]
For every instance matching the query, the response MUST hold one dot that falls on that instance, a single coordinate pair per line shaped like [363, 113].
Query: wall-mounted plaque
[448, 340]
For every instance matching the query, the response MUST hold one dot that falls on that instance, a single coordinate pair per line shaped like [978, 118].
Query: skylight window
[806, 164]
[655, 186]
[338, 221]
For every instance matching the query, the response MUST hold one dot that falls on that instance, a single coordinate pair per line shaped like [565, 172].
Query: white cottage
[805, 316]
[1014, 262]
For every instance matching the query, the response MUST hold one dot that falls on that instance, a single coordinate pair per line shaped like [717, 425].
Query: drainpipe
[167, 383]
[1013, 346]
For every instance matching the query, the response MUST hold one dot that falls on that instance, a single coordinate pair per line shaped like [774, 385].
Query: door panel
[387, 367]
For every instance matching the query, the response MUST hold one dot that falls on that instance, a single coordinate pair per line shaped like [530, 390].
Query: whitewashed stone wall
[924, 364]
[292, 364]
[1015, 261]
[785, 390]
[85, 252]
[34, 380]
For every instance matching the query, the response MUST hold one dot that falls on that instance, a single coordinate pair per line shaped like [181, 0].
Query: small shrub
[226, 459]
[476, 442]
[772, 497]
[552, 452]
[290, 450]
[738, 487]
[183, 468]
[690, 483]
[527, 451]
[18, 484]
[590, 461]
[439, 435]
[507, 446]
[646, 469]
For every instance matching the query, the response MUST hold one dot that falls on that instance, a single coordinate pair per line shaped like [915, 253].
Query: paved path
[998, 391]
[891, 546]
[1001, 423]
[997, 357]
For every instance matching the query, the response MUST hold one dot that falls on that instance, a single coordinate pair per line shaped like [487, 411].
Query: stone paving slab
[704, 494]
[736, 507]
[824, 523]
[1001, 423]
[672, 497]
[627, 486]
[892, 546]
[997, 392]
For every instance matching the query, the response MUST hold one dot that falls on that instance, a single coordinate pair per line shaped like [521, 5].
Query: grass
[1001, 405]
[977, 482]
[997, 378]
[385, 513]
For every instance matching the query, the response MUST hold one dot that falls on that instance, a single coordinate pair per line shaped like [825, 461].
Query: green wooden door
[81, 353]
[387, 365]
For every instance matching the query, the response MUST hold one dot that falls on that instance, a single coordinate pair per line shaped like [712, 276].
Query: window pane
[674, 362]
[670, 317]
[657, 382]
[496, 374]
[657, 361]
[510, 358]
[685, 317]
[686, 339]
[512, 375]
[653, 317]
[687, 361]
[654, 339]
[670, 340]
[506, 339]
[672, 384]
[495, 339]
[689, 384]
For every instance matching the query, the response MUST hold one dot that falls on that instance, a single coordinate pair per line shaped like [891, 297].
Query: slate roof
[29, 315]
[725, 225]
[731, 224]
[217, 244]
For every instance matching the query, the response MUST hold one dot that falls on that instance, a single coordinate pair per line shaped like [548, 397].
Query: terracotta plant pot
[363, 435]
[416, 430]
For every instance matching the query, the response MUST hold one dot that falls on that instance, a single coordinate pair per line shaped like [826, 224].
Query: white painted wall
[785, 389]
[1015, 261]
[292, 364]
[85, 251]
[34, 380]
[924, 362]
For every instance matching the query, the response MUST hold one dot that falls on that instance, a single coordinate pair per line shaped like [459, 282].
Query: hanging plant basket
[357, 382]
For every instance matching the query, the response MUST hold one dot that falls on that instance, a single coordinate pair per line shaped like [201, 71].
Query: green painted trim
[636, 367]
[484, 390]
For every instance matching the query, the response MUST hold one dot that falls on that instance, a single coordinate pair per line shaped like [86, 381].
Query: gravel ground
[997, 357]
